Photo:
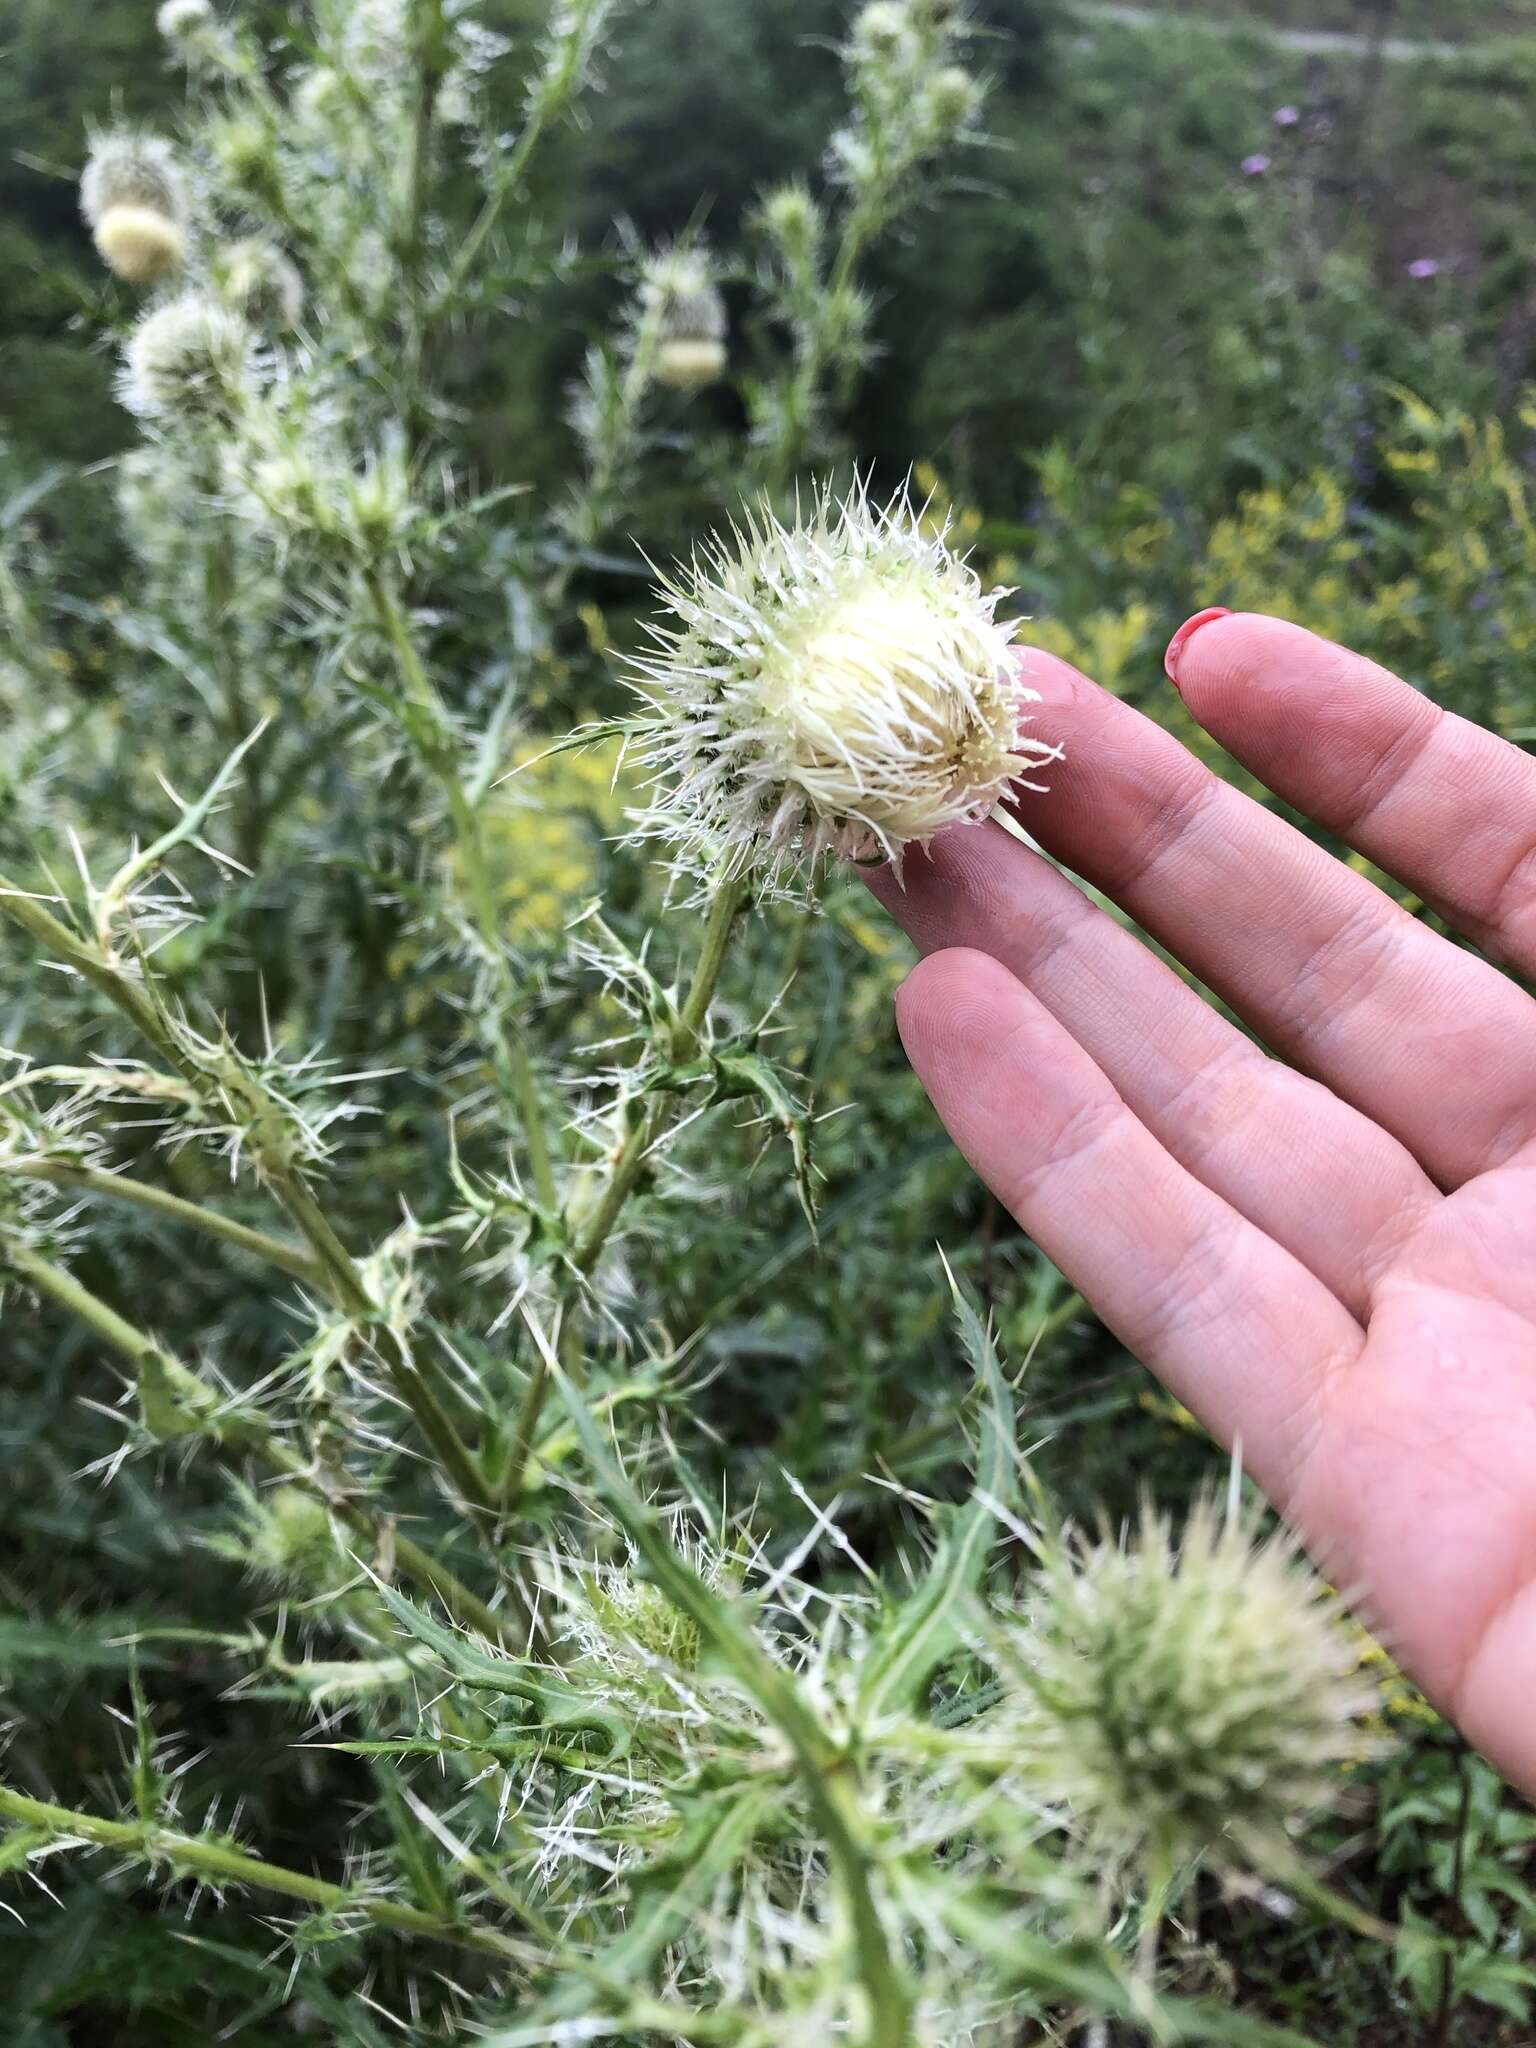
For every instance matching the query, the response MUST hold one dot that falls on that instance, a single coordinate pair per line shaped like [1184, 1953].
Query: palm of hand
[1330, 1260]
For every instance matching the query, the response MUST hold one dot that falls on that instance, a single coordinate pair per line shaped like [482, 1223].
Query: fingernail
[1185, 634]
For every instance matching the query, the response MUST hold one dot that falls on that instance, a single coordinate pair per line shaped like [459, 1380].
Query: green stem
[685, 1039]
[224, 1864]
[630, 1164]
[254, 1438]
[509, 1052]
[828, 1774]
[554, 90]
[288, 1258]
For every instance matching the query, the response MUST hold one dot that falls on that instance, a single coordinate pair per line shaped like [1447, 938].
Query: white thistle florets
[841, 687]
[187, 364]
[134, 200]
[1190, 1698]
[177, 19]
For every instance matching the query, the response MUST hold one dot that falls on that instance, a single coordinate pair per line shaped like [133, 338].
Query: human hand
[1336, 1267]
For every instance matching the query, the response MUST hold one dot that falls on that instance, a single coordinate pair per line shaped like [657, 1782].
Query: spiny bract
[839, 687]
[1192, 1697]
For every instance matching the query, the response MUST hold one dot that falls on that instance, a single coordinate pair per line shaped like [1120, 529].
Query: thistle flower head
[881, 30]
[688, 362]
[1190, 1698]
[842, 687]
[180, 19]
[134, 200]
[679, 294]
[186, 364]
[954, 98]
[791, 219]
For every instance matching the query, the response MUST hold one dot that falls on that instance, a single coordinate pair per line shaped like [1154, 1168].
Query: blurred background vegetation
[1227, 312]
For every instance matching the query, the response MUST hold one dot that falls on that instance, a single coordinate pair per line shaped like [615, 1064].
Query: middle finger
[1429, 1041]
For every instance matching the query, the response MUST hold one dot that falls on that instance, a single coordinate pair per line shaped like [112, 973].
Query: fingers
[1240, 1331]
[1309, 1171]
[1431, 1043]
[1445, 806]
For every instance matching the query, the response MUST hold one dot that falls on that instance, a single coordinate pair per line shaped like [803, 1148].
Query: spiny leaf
[558, 1705]
[926, 1629]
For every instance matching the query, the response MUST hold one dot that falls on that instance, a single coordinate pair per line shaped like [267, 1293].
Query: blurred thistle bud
[791, 219]
[882, 32]
[134, 199]
[183, 20]
[245, 147]
[288, 1538]
[258, 281]
[1184, 1699]
[680, 303]
[953, 98]
[839, 687]
[187, 364]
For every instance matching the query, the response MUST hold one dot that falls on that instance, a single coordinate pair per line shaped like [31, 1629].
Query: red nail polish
[1185, 634]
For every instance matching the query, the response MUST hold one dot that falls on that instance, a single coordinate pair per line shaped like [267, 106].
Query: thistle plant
[403, 1243]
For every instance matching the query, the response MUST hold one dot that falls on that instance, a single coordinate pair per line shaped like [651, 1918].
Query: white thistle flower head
[840, 687]
[686, 362]
[1191, 1698]
[882, 30]
[134, 199]
[260, 282]
[187, 364]
[180, 19]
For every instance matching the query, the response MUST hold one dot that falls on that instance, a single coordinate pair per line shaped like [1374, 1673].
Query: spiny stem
[292, 1259]
[344, 1283]
[555, 87]
[633, 1154]
[223, 1864]
[252, 1436]
[509, 1052]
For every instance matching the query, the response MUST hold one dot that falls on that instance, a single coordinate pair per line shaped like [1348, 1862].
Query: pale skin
[1323, 1243]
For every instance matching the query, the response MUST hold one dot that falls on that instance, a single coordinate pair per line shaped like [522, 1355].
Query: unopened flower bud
[1193, 1697]
[881, 31]
[841, 687]
[245, 148]
[681, 303]
[790, 216]
[134, 199]
[953, 98]
[187, 364]
[289, 1539]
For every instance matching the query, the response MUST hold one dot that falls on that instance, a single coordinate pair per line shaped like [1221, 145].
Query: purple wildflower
[1424, 267]
[1255, 166]
[1287, 117]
